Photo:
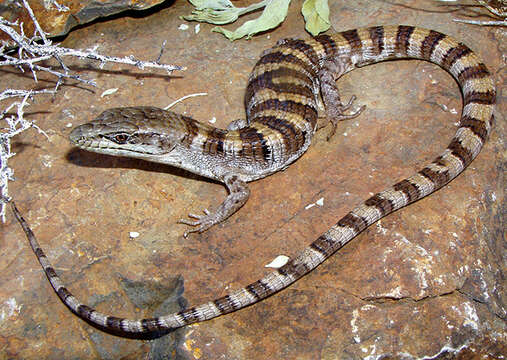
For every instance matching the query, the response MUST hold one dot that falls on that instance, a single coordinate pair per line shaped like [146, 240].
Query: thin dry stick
[183, 98]
[28, 56]
[500, 12]
[482, 23]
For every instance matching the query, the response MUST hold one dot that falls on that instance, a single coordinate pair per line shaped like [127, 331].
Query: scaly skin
[281, 107]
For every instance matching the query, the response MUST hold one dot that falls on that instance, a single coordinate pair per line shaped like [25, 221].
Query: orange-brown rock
[426, 282]
[56, 23]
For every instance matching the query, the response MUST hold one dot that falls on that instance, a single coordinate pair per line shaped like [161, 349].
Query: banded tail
[360, 47]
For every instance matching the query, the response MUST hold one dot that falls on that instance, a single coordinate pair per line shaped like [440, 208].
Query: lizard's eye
[120, 138]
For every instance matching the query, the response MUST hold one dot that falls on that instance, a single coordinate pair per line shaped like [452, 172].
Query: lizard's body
[281, 105]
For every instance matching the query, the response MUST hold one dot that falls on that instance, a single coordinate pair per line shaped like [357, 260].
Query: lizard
[281, 101]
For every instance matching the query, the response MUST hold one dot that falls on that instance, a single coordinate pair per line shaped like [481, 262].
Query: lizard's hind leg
[330, 71]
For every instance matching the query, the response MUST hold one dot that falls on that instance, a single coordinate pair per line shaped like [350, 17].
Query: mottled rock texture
[56, 23]
[425, 282]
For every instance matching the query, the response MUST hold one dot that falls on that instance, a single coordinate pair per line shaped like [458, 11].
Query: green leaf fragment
[272, 16]
[316, 14]
[213, 11]
[219, 12]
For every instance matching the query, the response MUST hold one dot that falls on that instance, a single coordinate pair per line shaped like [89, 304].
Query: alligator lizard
[281, 103]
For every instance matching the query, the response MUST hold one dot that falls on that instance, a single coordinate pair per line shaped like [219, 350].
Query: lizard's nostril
[79, 134]
[75, 135]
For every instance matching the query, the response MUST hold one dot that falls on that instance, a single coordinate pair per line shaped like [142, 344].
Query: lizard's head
[138, 132]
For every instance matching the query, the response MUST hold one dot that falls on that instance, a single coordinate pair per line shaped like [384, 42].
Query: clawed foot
[202, 222]
[336, 114]
[238, 195]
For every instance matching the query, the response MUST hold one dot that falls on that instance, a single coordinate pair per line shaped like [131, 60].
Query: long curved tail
[393, 42]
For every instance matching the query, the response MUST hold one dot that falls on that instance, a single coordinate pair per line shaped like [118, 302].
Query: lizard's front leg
[238, 195]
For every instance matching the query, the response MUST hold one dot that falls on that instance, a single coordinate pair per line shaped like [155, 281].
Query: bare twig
[31, 52]
[482, 23]
[183, 98]
[38, 29]
[496, 8]
[501, 11]
[59, 7]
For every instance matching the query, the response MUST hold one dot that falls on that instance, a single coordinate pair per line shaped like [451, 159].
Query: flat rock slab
[56, 23]
[425, 282]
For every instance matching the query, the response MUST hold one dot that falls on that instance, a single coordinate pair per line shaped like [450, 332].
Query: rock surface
[57, 23]
[425, 282]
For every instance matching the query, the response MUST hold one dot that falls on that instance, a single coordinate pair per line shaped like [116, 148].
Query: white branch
[38, 29]
[482, 23]
[28, 56]
[183, 98]
[59, 7]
